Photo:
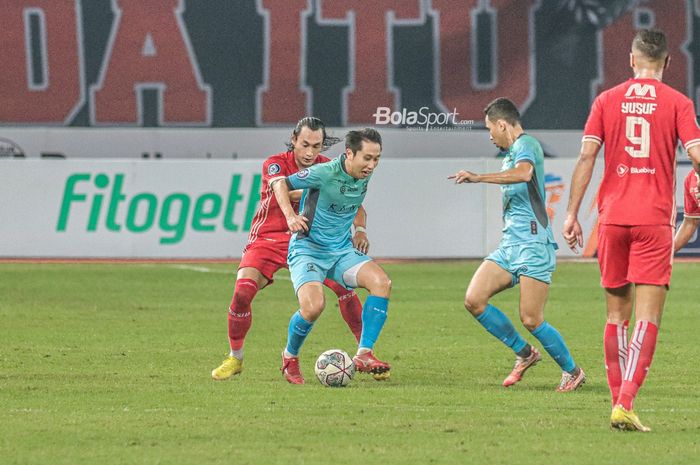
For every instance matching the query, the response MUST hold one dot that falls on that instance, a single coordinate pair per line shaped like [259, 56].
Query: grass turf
[110, 364]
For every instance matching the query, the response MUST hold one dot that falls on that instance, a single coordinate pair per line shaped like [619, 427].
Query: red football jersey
[691, 196]
[640, 122]
[269, 223]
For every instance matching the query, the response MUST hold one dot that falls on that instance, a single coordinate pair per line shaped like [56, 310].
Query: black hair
[314, 124]
[353, 139]
[504, 109]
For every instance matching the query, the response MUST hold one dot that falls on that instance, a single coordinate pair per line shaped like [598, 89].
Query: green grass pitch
[110, 364]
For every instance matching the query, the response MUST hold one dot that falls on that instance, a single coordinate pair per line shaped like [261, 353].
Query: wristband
[360, 229]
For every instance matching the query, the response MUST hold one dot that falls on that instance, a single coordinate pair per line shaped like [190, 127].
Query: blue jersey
[524, 212]
[330, 202]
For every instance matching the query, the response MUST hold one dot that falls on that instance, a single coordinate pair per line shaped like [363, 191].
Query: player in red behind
[268, 242]
[640, 122]
[691, 211]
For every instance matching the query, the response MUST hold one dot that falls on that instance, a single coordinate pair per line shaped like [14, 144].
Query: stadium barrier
[196, 209]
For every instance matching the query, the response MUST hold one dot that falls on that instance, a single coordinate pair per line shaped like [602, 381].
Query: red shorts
[635, 254]
[266, 257]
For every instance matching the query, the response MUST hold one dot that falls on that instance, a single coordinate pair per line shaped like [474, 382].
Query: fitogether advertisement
[204, 209]
[99, 202]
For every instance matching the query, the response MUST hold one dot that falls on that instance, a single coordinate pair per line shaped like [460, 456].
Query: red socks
[639, 357]
[239, 313]
[350, 307]
[615, 344]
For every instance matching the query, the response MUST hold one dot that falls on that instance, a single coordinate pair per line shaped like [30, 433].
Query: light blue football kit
[330, 202]
[527, 248]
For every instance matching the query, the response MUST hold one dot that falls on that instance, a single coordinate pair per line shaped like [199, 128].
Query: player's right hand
[463, 176]
[572, 232]
[297, 223]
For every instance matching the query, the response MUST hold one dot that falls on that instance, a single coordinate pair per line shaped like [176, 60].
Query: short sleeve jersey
[640, 122]
[269, 223]
[524, 211]
[330, 201]
[691, 196]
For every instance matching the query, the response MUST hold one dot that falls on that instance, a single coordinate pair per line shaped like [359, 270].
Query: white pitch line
[199, 269]
[204, 269]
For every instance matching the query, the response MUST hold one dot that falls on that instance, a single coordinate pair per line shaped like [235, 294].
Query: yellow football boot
[229, 367]
[626, 420]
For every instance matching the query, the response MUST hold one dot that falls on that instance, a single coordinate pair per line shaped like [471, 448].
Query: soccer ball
[334, 368]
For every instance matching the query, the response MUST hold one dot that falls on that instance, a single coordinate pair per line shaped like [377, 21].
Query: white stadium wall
[103, 200]
[203, 209]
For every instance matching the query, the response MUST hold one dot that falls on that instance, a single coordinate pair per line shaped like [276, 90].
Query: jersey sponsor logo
[303, 173]
[623, 169]
[345, 188]
[642, 170]
[273, 169]
[335, 208]
[641, 91]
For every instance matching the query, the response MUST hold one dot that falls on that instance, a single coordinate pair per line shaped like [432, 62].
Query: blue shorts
[534, 260]
[308, 263]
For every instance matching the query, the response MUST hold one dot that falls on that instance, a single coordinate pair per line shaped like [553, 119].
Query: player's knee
[381, 286]
[311, 309]
[531, 322]
[473, 304]
[241, 300]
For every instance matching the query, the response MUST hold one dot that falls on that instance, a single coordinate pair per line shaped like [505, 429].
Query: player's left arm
[360, 240]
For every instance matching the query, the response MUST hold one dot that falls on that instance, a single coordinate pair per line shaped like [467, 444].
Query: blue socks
[500, 326]
[374, 314]
[555, 346]
[299, 328]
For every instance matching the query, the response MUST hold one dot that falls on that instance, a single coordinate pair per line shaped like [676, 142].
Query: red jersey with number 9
[640, 122]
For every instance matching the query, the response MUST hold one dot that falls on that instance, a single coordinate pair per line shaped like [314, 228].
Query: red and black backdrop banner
[246, 63]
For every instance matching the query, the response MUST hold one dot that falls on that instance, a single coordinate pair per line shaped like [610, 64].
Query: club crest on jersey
[273, 169]
[303, 173]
